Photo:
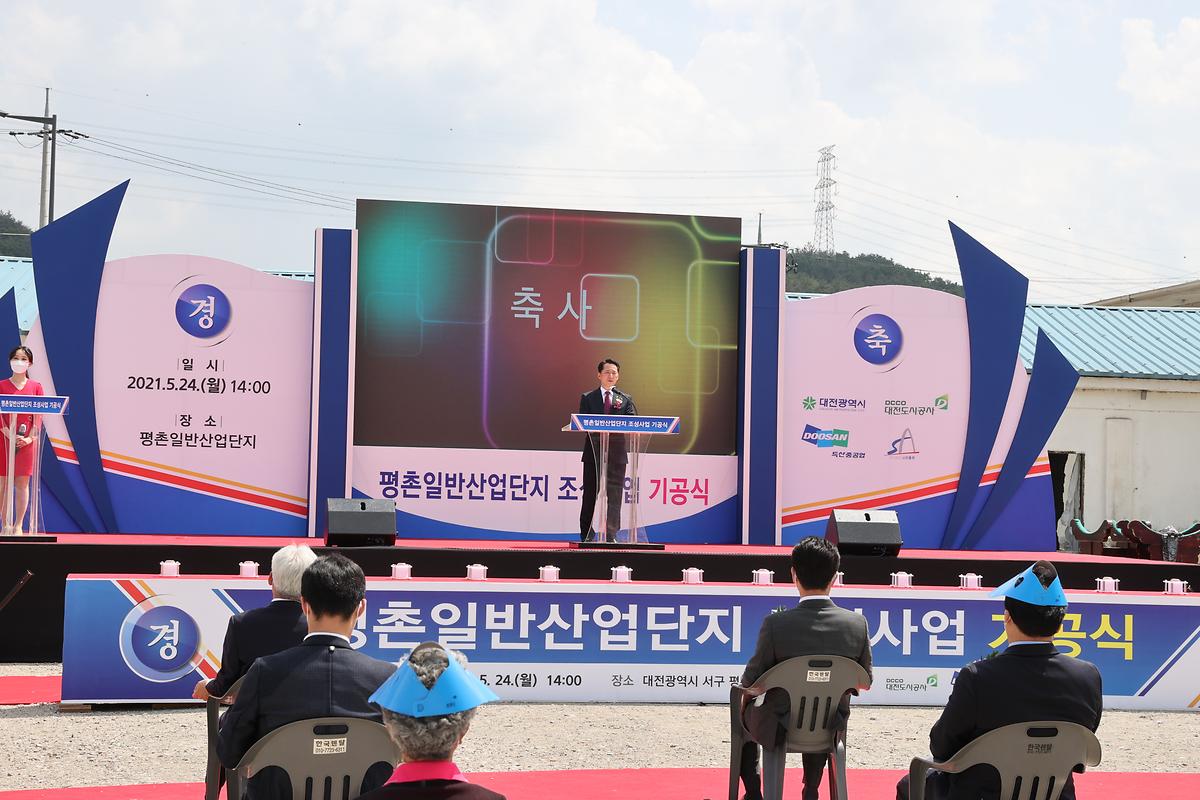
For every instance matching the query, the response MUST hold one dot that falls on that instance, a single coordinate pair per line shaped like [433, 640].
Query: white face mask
[19, 367]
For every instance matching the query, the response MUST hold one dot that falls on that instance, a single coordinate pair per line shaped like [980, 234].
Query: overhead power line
[955, 210]
[463, 167]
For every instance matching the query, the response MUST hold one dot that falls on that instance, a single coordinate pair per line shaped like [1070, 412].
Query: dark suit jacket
[1025, 683]
[255, 633]
[593, 403]
[321, 677]
[814, 627]
[432, 790]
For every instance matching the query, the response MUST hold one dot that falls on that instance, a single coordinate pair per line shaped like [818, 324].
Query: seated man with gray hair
[428, 705]
[264, 631]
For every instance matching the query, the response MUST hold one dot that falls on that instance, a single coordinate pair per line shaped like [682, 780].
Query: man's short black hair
[600, 366]
[1039, 621]
[333, 586]
[815, 561]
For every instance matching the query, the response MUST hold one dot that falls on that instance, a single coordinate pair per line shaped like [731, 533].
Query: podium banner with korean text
[149, 639]
[478, 327]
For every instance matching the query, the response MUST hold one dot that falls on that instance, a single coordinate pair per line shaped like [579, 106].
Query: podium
[636, 433]
[21, 416]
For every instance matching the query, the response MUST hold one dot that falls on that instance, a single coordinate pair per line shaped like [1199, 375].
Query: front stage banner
[478, 328]
[148, 639]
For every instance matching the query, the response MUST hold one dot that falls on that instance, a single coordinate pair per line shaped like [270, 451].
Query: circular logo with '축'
[160, 643]
[203, 311]
[878, 339]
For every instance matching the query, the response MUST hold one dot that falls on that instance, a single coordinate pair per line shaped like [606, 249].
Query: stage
[33, 619]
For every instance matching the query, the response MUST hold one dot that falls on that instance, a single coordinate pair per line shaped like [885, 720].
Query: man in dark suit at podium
[607, 399]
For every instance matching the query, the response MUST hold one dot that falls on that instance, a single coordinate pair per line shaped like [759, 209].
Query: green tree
[14, 246]
[824, 273]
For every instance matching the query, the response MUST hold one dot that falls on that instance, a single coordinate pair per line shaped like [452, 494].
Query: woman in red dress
[21, 430]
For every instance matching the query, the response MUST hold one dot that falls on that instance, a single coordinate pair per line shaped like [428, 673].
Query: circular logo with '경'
[203, 311]
[160, 643]
[878, 339]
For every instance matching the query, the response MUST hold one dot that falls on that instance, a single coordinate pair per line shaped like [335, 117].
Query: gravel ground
[30, 669]
[38, 743]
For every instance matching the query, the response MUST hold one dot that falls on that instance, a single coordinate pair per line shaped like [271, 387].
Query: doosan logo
[823, 438]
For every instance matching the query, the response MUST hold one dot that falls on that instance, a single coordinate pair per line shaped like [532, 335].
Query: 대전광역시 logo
[203, 311]
[878, 339]
[825, 438]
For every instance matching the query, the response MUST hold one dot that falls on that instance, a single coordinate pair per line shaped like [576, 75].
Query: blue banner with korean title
[33, 404]
[607, 423]
[130, 639]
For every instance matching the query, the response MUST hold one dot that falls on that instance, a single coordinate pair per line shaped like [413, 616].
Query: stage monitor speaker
[864, 533]
[360, 522]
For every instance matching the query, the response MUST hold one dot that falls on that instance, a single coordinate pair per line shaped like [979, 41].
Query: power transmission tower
[823, 193]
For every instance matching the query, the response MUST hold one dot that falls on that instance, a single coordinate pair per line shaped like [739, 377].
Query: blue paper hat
[455, 690]
[1027, 587]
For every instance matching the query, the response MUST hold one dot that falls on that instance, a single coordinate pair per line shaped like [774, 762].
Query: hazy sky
[1063, 135]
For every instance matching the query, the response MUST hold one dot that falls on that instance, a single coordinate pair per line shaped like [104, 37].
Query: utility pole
[49, 134]
[760, 228]
[823, 193]
[44, 208]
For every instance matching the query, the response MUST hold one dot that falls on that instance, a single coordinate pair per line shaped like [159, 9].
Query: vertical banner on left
[202, 397]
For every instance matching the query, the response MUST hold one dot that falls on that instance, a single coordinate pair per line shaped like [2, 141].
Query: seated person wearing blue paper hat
[1029, 681]
[428, 704]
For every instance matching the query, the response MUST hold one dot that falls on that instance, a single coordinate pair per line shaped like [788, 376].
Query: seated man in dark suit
[262, 631]
[320, 677]
[814, 627]
[428, 705]
[1028, 682]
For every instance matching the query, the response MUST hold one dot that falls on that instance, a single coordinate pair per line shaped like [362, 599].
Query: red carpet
[21, 690]
[666, 784]
[154, 791]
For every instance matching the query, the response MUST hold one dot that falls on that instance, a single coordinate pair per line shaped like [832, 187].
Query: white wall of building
[1141, 443]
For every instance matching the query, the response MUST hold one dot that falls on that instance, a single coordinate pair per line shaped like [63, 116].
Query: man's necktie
[607, 401]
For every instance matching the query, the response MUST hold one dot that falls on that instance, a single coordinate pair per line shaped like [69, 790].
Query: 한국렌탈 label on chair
[329, 747]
